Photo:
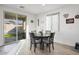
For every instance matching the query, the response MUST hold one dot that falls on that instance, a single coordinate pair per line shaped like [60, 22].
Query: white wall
[69, 33]
[28, 24]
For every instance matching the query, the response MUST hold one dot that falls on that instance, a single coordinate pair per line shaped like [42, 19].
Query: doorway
[14, 27]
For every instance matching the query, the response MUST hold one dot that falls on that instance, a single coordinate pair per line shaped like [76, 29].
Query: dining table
[41, 37]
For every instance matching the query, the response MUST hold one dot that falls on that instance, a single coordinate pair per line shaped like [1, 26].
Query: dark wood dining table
[41, 37]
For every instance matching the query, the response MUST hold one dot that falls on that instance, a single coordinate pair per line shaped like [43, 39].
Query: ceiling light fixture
[43, 4]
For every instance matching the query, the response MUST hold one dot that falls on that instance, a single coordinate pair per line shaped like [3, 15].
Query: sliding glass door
[9, 27]
[14, 27]
[21, 28]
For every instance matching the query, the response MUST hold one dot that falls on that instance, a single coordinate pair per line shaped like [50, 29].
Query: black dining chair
[34, 41]
[47, 32]
[50, 40]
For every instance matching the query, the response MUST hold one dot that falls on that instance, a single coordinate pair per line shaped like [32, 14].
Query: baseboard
[64, 44]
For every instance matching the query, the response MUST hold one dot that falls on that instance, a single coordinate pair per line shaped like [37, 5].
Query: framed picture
[76, 16]
[31, 21]
[70, 21]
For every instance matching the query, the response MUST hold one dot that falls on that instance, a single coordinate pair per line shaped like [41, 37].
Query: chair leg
[40, 45]
[53, 46]
[43, 46]
[34, 47]
[49, 47]
[30, 46]
[46, 45]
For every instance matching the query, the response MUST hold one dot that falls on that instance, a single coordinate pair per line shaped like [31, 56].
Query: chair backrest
[41, 33]
[52, 35]
[47, 32]
[31, 35]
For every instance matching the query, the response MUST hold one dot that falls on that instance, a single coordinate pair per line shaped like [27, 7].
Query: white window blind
[52, 22]
[48, 23]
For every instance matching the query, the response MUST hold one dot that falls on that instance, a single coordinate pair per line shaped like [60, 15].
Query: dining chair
[50, 40]
[47, 32]
[34, 41]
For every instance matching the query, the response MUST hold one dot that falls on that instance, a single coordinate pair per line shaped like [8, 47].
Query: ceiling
[34, 8]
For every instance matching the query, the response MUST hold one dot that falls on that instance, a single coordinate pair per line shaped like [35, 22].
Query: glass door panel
[21, 27]
[9, 30]
[9, 27]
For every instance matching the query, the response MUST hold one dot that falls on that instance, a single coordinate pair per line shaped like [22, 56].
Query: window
[48, 23]
[52, 22]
